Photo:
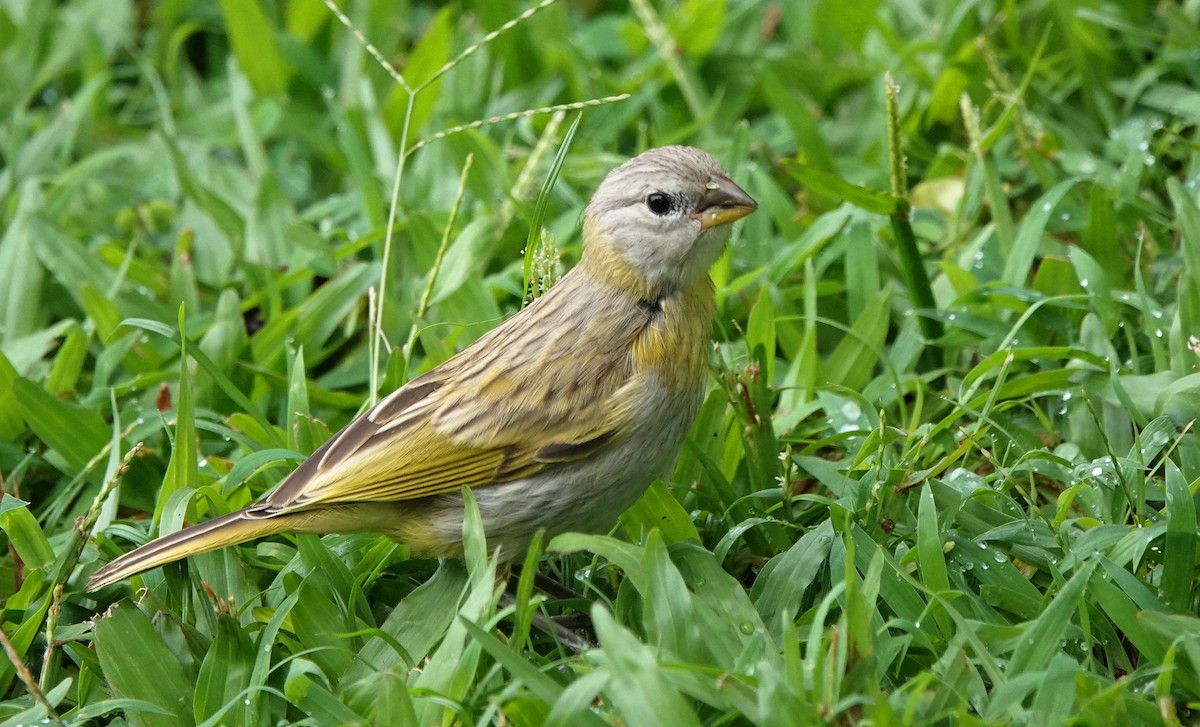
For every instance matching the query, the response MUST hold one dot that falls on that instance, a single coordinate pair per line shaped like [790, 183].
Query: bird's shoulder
[547, 370]
[546, 387]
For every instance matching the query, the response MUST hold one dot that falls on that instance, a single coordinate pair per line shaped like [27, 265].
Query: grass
[945, 472]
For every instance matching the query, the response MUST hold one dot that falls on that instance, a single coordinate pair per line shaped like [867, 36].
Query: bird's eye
[659, 203]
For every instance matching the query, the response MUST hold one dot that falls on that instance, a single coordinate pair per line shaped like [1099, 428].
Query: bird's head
[665, 214]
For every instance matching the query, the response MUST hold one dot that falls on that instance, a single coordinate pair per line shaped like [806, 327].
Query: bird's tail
[236, 527]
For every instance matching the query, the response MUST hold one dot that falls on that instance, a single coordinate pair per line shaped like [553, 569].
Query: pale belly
[584, 496]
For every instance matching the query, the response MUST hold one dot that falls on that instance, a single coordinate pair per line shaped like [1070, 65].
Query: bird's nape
[558, 419]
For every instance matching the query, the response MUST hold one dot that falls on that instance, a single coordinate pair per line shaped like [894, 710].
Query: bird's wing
[521, 399]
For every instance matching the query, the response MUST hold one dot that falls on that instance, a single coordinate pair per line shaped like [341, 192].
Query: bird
[557, 419]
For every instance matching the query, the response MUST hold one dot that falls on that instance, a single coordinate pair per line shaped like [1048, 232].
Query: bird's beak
[722, 202]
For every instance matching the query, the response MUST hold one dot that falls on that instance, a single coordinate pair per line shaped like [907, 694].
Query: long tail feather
[236, 527]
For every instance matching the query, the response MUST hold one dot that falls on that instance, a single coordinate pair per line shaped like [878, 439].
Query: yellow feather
[565, 411]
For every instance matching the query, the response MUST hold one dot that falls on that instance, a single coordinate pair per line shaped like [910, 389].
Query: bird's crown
[664, 215]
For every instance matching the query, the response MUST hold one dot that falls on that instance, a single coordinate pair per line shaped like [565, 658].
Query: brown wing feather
[537, 391]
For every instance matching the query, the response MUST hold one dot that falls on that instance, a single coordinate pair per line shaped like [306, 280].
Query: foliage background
[966, 503]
